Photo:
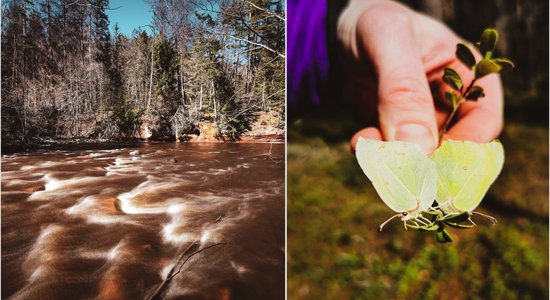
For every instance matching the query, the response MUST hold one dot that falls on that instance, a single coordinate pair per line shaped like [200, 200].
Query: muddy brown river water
[118, 223]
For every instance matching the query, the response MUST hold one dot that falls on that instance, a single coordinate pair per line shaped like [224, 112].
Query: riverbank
[101, 144]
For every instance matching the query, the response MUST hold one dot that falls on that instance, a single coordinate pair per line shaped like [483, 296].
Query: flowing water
[119, 223]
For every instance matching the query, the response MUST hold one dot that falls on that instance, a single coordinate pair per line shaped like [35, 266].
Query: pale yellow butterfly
[466, 171]
[403, 175]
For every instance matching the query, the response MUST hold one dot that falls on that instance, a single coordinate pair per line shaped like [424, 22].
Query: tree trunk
[150, 82]
[200, 99]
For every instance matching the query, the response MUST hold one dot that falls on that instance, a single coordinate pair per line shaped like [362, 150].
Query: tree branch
[267, 11]
[162, 286]
[257, 44]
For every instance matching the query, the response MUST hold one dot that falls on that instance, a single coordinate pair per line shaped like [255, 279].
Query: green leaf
[504, 63]
[432, 227]
[488, 41]
[447, 235]
[452, 78]
[452, 98]
[478, 46]
[475, 93]
[466, 56]
[457, 218]
[443, 236]
[412, 226]
[485, 67]
[459, 226]
[433, 212]
[440, 237]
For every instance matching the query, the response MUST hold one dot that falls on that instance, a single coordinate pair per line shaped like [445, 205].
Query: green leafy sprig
[458, 95]
[487, 65]
[439, 222]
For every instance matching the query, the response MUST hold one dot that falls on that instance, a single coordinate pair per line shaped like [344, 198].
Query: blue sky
[129, 14]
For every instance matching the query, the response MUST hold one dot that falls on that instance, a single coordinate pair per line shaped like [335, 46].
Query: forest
[201, 70]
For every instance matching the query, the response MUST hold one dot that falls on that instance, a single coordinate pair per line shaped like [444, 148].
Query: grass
[335, 251]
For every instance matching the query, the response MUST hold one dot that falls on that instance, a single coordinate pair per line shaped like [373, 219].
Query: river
[119, 223]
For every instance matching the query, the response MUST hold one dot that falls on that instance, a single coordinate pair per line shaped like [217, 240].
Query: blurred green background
[334, 249]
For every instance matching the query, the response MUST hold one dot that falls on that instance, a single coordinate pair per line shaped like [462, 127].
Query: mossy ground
[335, 251]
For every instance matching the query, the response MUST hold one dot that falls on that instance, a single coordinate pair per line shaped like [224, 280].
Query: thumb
[405, 104]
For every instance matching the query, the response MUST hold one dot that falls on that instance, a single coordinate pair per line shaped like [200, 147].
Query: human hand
[395, 59]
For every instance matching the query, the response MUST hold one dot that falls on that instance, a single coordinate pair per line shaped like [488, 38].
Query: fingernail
[416, 133]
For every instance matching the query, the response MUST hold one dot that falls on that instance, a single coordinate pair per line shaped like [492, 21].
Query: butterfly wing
[466, 171]
[404, 177]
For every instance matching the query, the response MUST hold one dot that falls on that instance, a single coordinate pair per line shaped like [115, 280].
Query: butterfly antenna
[386, 222]
[491, 219]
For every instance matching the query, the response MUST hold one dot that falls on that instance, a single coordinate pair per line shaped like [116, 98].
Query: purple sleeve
[307, 54]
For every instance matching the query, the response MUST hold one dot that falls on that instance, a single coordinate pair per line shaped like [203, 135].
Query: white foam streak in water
[63, 187]
[94, 254]
[174, 231]
[51, 183]
[170, 234]
[113, 253]
[48, 164]
[166, 270]
[83, 206]
[96, 154]
[151, 185]
[36, 274]
[13, 182]
[206, 235]
[107, 219]
[125, 165]
[213, 171]
[239, 268]
[176, 208]
[90, 208]
[54, 184]
[46, 232]
[40, 253]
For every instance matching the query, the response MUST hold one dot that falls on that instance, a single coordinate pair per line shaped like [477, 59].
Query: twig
[445, 127]
[273, 14]
[194, 253]
[258, 44]
[162, 286]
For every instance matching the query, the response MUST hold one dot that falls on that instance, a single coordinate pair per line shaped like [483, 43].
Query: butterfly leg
[434, 207]
[386, 222]
[471, 221]
[491, 219]
[450, 215]
[421, 222]
[421, 217]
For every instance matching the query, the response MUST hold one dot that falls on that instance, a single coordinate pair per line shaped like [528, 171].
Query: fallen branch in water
[158, 292]
[196, 252]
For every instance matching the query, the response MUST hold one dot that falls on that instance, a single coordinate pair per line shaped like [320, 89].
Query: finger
[406, 109]
[368, 133]
[480, 121]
